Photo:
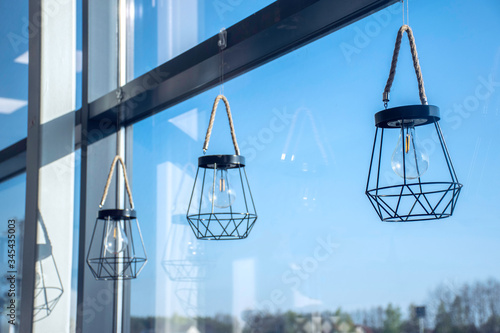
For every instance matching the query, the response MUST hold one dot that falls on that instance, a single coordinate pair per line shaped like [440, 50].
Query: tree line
[468, 308]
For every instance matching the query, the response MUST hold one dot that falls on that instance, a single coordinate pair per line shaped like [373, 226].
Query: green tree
[411, 325]
[392, 322]
[492, 325]
[443, 320]
[458, 316]
[344, 321]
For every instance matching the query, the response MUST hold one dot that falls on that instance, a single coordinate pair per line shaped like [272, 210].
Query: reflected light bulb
[416, 158]
[116, 240]
[221, 194]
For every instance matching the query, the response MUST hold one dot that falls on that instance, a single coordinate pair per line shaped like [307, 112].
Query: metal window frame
[32, 167]
[13, 160]
[270, 33]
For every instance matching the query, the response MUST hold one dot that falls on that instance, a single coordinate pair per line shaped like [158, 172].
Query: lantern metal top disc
[221, 161]
[117, 214]
[409, 115]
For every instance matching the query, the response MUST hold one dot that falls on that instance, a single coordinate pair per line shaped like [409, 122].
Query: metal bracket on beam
[222, 39]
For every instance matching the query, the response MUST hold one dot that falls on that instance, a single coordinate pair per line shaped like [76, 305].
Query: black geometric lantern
[48, 284]
[400, 194]
[116, 249]
[221, 205]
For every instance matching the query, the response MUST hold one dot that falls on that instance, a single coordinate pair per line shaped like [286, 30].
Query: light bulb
[116, 240]
[416, 159]
[221, 194]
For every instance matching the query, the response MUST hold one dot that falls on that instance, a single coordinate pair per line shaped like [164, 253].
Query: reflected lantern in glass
[48, 284]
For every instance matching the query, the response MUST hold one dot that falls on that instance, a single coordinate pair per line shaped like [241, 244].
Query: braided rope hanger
[211, 124]
[110, 176]
[416, 65]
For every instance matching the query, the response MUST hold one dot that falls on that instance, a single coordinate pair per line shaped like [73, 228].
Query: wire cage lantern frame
[413, 199]
[48, 285]
[116, 250]
[223, 221]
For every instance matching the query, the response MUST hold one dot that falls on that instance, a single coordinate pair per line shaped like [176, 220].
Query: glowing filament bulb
[221, 195]
[409, 160]
[116, 240]
[407, 147]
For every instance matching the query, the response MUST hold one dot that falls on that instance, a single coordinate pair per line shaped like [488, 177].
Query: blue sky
[14, 69]
[334, 85]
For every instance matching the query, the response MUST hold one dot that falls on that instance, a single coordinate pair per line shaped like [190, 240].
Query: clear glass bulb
[116, 240]
[416, 158]
[221, 194]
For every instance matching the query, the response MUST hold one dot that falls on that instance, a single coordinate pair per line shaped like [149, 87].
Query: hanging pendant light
[116, 250]
[221, 205]
[48, 284]
[396, 186]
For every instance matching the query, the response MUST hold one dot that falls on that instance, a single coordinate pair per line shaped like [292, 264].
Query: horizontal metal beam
[13, 160]
[268, 34]
[13, 150]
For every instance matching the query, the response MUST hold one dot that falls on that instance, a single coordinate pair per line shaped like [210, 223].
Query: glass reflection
[48, 284]
[12, 202]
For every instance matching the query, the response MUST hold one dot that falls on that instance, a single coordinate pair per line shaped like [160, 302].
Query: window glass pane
[12, 202]
[163, 29]
[14, 68]
[318, 258]
[102, 48]
[76, 241]
[78, 62]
